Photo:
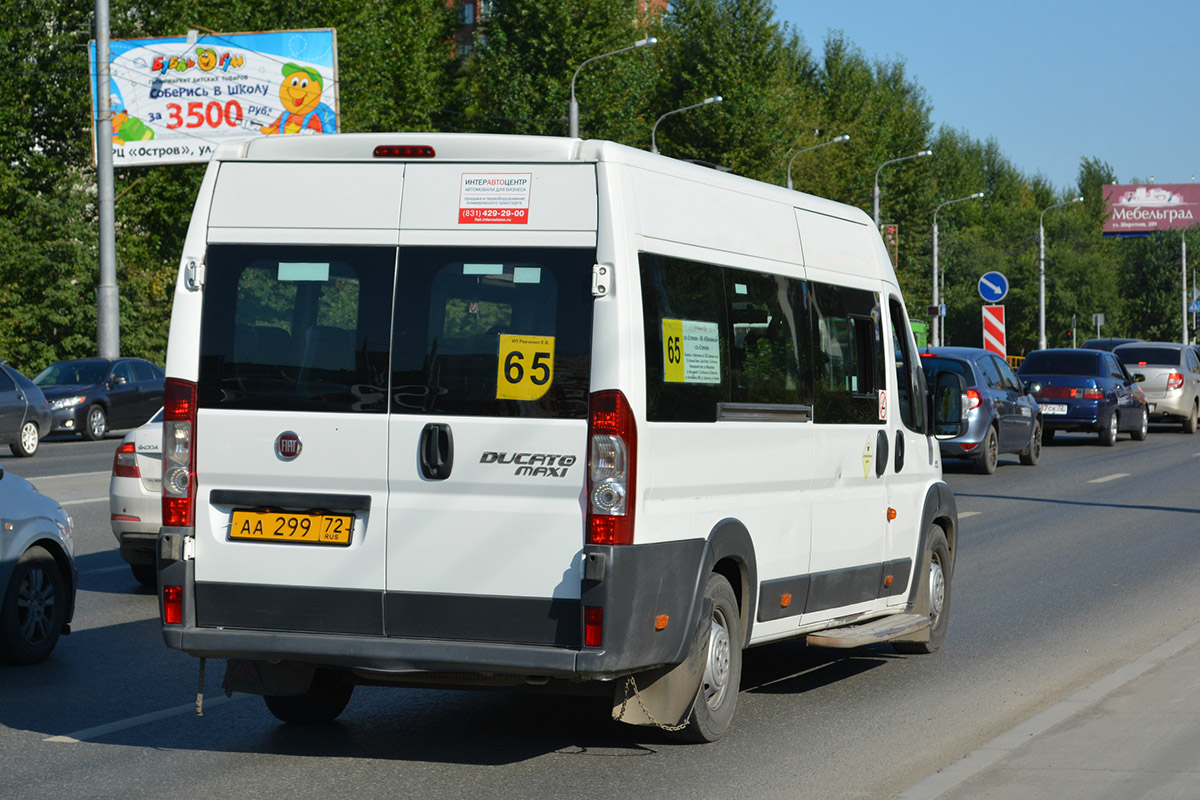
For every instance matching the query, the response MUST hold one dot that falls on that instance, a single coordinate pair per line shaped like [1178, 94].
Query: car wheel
[146, 574]
[1031, 456]
[1108, 436]
[990, 453]
[717, 694]
[1142, 430]
[1189, 424]
[96, 424]
[936, 591]
[325, 699]
[35, 607]
[27, 442]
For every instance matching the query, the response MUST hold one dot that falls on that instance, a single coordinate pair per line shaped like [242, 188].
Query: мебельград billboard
[173, 100]
[1139, 209]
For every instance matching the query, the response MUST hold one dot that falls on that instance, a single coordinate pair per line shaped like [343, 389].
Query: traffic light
[1070, 338]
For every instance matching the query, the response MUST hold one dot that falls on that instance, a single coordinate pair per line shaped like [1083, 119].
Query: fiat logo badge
[287, 445]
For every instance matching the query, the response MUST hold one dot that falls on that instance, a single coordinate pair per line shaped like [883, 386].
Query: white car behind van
[449, 409]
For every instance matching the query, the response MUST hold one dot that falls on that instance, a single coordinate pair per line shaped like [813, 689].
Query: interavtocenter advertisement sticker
[173, 100]
[494, 198]
[691, 351]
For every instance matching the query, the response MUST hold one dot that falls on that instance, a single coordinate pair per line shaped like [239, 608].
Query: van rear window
[296, 328]
[501, 332]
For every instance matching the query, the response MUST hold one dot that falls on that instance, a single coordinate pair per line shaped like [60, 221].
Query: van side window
[849, 354]
[910, 378]
[501, 332]
[687, 335]
[296, 328]
[771, 338]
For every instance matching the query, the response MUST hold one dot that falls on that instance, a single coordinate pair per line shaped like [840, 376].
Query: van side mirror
[950, 405]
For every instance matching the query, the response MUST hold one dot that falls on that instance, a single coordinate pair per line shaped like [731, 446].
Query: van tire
[325, 699]
[145, 574]
[935, 581]
[989, 455]
[716, 696]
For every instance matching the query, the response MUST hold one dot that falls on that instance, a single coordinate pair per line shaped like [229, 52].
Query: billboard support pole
[1183, 240]
[108, 325]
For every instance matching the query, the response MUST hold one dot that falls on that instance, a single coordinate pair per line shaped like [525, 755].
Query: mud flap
[663, 697]
[264, 677]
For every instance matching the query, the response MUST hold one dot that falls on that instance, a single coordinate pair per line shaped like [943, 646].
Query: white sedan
[135, 498]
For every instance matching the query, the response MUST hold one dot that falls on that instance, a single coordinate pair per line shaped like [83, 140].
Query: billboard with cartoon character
[175, 99]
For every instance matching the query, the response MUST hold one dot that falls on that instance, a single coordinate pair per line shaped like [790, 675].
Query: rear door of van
[292, 420]
[491, 359]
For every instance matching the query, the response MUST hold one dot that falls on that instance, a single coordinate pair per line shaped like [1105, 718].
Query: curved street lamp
[706, 101]
[845, 137]
[1042, 270]
[573, 108]
[884, 164]
[936, 338]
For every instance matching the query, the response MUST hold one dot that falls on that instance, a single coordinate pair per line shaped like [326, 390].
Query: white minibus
[503, 411]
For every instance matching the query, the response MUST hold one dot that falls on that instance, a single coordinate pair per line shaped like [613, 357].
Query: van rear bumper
[634, 585]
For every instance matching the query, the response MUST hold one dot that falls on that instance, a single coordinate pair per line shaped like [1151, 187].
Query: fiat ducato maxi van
[468, 410]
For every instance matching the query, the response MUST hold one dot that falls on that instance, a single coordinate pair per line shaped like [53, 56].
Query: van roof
[493, 148]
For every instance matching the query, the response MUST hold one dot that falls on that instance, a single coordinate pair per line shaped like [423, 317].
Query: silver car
[1171, 380]
[135, 498]
[37, 572]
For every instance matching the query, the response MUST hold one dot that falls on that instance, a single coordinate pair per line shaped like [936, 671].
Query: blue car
[1085, 390]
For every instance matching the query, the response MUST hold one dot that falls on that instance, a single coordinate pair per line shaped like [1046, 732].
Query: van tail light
[593, 626]
[125, 462]
[172, 605]
[1174, 381]
[974, 400]
[179, 454]
[612, 455]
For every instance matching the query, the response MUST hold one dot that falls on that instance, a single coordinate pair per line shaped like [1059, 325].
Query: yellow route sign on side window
[691, 351]
[526, 368]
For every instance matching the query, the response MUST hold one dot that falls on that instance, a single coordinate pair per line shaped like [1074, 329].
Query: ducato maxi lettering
[533, 465]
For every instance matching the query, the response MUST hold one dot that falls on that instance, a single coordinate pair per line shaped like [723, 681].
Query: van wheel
[1108, 436]
[27, 441]
[716, 696]
[1031, 456]
[1139, 435]
[96, 424]
[990, 457]
[936, 586]
[325, 699]
[34, 608]
[145, 574]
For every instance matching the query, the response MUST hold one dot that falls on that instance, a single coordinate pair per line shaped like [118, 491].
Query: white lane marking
[72, 475]
[965, 514]
[81, 502]
[142, 719]
[1108, 478]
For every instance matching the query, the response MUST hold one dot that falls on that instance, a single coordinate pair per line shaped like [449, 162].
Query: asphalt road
[1065, 572]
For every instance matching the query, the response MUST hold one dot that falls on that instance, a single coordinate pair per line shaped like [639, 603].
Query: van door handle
[881, 453]
[899, 450]
[436, 450]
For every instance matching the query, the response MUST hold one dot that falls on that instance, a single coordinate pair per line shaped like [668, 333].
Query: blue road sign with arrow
[993, 286]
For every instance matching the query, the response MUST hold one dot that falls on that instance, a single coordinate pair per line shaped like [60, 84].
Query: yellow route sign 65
[526, 368]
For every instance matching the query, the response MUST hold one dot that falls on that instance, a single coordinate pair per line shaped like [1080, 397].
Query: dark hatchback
[1085, 390]
[24, 412]
[1003, 416]
[93, 395]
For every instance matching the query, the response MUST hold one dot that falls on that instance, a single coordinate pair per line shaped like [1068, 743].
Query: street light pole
[845, 137]
[573, 108]
[937, 315]
[875, 215]
[1042, 269]
[653, 131]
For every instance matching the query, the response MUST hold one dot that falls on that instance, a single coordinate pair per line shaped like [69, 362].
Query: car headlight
[67, 402]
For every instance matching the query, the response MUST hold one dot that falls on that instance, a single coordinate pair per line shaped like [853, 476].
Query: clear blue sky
[1051, 81]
